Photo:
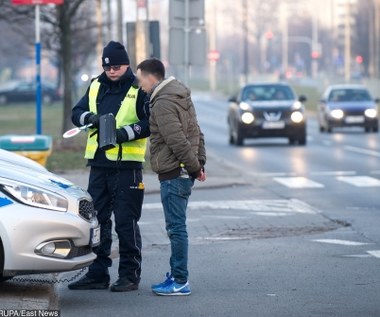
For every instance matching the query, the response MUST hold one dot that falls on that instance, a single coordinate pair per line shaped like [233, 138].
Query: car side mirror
[233, 99]
[377, 100]
[302, 99]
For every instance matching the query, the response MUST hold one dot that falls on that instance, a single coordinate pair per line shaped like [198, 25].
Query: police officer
[115, 182]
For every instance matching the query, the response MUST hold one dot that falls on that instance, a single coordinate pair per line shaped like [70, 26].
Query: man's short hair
[154, 67]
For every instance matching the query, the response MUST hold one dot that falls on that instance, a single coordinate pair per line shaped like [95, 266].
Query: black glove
[121, 136]
[93, 119]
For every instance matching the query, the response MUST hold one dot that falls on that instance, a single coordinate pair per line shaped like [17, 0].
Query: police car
[47, 224]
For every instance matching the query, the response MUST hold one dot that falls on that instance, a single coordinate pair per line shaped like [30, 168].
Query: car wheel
[239, 140]
[302, 141]
[46, 100]
[3, 99]
[231, 137]
[367, 130]
[292, 141]
[231, 140]
[2, 278]
[321, 129]
[375, 129]
[329, 130]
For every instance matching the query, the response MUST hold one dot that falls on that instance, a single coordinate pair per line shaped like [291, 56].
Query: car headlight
[36, 197]
[247, 118]
[370, 113]
[297, 117]
[337, 114]
[297, 105]
[245, 106]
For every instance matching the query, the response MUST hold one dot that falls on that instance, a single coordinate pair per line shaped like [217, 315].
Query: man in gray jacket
[177, 155]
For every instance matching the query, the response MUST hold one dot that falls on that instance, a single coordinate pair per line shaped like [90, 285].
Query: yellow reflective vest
[130, 151]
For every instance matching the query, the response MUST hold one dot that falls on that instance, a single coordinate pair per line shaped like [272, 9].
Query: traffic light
[315, 55]
[359, 59]
[269, 35]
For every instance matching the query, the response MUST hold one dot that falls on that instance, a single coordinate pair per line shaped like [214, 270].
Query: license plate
[273, 125]
[95, 236]
[354, 119]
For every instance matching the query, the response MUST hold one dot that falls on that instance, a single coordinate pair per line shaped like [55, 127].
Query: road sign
[196, 51]
[213, 55]
[187, 43]
[141, 3]
[35, 2]
[177, 13]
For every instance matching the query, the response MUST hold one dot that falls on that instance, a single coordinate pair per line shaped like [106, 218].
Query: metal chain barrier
[49, 281]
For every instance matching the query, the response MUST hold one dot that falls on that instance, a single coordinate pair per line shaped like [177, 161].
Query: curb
[26, 295]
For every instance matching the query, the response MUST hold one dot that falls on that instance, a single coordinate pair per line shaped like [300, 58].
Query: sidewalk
[17, 295]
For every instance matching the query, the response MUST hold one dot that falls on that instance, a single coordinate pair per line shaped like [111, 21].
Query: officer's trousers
[121, 192]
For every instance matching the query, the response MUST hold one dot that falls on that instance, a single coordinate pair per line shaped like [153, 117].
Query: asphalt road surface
[301, 238]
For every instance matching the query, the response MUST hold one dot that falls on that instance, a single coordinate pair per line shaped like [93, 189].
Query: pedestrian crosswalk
[297, 182]
[365, 253]
[360, 181]
[305, 182]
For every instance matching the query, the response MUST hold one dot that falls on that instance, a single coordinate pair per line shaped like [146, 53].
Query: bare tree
[68, 31]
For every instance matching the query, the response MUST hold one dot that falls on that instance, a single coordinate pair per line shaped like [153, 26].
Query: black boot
[90, 283]
[124, 285]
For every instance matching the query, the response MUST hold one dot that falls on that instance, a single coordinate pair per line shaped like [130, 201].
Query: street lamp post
[285, 37]
[38, 74]
[347, 42]
[245, 41]
[187, 31]
[315, 46]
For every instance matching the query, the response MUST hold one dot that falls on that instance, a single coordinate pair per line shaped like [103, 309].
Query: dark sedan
[267, 110]
[21, 91]
[348, 106]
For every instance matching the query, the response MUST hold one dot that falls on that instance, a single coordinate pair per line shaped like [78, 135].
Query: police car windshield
[267, 93]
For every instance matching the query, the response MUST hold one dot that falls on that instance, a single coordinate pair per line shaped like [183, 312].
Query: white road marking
[360, 181]
[333, 173]
[278, 174]
[270, 214]
[279, 206]
[362, 256]
[225, 238]
[362, 151]
[341, 242]
[225, 217]
[317, 173]
[193, 219]
[375, 253]
[298, 182]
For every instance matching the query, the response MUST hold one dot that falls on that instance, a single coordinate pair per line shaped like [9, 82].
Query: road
[301, 238]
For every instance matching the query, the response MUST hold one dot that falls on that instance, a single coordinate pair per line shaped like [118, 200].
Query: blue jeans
[175, 195]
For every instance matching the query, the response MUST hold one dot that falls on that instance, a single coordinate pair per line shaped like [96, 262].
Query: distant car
[267, 110]
[348, 106]
[22, 91]
[47, 224]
